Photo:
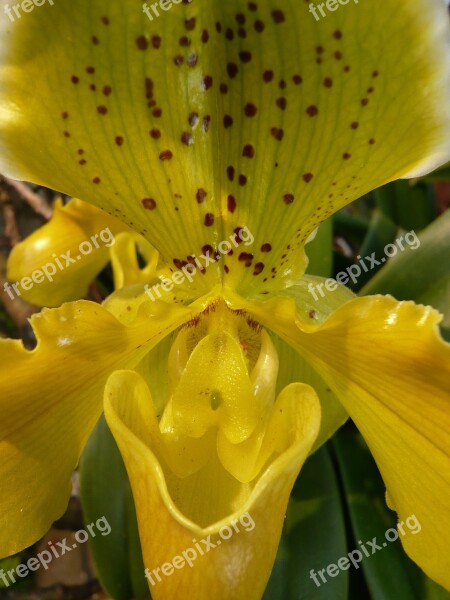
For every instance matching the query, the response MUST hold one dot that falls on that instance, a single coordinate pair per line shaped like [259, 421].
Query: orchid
[218, 137]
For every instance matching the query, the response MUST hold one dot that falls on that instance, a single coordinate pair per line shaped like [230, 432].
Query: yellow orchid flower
[224, 133]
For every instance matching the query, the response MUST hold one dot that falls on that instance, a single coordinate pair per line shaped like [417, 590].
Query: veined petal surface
[388, 365]
[51, 399]
[239, 567]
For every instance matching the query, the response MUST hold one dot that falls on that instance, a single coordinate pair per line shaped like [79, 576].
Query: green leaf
[439, 297]
[381, 232]
[409, 207]
[353, 229]
[445, 332]
[313, 536]
[278, 585]
[105, 491]
[320, 251]
[6, 564]
[388, 570]
[421, 274]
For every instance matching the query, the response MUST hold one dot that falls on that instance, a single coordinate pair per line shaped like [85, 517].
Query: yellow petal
[246, 459]
[228, 401]
[293, 367]
[389, 367]
[303, 301]
[125, 262]
[219, 115]
[58, 262]
[240, 566]
[50, 400]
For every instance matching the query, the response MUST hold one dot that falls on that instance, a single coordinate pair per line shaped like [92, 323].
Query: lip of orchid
[189, 555]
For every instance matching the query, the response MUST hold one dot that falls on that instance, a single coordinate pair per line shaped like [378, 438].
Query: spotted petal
[217, 115]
